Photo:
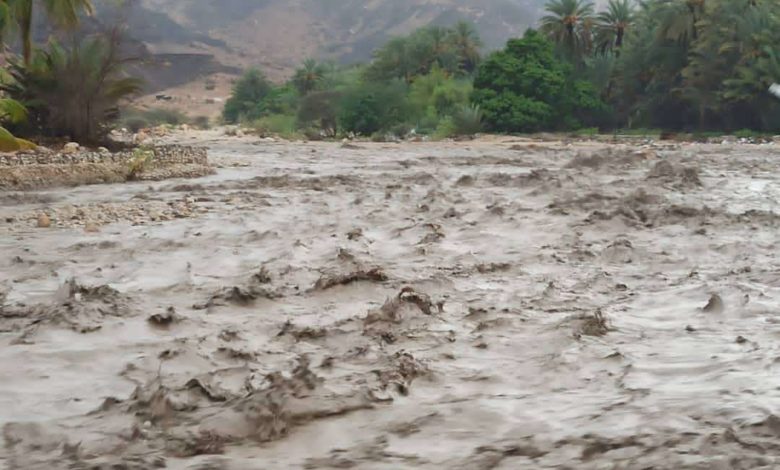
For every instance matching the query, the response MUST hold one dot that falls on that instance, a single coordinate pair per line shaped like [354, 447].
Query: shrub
[319, 110]
[467, 120]
[201, 122]
[282, 125]
[137, 119]
[373, 107]
[445, 129]
[437, 94]
[12, 112]
[142, 157]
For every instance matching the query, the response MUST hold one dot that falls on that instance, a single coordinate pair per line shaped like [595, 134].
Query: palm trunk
[25, 29]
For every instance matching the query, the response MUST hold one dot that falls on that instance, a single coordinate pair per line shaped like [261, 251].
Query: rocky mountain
[193, 38]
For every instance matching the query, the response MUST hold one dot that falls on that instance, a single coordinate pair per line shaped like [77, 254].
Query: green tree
[526, 88]
[648, 73]
[456, 51]
[247, 97]
[309, 77]
[64, 13]
[679, 19]
[732, 63]
[320, 110]
[613, 23]
[569, 24]
[466, 42]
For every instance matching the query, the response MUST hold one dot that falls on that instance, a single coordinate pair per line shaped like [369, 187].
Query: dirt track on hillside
[497, 304]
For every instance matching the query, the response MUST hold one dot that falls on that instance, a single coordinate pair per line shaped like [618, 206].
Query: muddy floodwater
[496, 304]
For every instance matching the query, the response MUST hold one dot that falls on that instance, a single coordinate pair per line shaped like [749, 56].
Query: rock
[91, 227]
[140, 137]
[239, 133]
[44, 221]
[70, 148]
[103, 150]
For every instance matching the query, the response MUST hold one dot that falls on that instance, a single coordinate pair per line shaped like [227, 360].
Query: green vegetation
[136, 119]
[247, 100]
[526, 88]
[454, 50]
[72, 92]
[687, 66]
[60, 91]
[11, 111]
[427, 92]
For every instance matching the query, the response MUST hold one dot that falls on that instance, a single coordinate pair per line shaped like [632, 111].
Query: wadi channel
[501, 303]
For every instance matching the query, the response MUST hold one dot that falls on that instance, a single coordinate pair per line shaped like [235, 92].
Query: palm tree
[680, 19]
[568, 24]
[64, 13]
[467, 43]
[613, 23]
[309, 77]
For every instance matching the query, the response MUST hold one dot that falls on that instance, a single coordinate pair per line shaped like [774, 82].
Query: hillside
[189, 43]
[278, 34]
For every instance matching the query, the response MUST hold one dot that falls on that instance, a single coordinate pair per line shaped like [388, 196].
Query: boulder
[71, 148]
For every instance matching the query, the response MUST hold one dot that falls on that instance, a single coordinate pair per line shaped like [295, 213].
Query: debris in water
[373, 275]
[715, 305]
[592, 325]
[165, 319]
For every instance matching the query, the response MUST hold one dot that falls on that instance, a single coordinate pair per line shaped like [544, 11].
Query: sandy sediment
[493, 304]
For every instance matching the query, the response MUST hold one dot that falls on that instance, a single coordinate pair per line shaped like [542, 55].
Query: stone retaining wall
[32, 170]
[163, 155]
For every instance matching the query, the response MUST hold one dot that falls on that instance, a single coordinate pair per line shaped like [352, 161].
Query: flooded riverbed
[496, 304]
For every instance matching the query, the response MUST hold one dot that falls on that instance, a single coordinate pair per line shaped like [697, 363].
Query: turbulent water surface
[494, 304]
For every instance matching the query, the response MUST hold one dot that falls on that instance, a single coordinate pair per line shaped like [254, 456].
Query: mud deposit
[497, 304]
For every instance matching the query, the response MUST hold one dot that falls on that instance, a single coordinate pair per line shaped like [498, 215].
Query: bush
[319, 110]
[137, 119]
[282, 125]
[437, 94]
[73, 92]
[467, 120]
[373, 107]
[445, 129]
[280, 100]
[246, 99]
[201, 122]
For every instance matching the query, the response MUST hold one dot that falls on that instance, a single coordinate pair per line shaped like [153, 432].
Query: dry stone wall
[31, 170]
[163, 155]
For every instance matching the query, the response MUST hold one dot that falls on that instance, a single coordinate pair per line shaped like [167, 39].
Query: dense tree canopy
[454, 50]
[526, 88]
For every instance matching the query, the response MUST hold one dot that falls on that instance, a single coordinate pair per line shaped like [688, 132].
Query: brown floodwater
[496, 304]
